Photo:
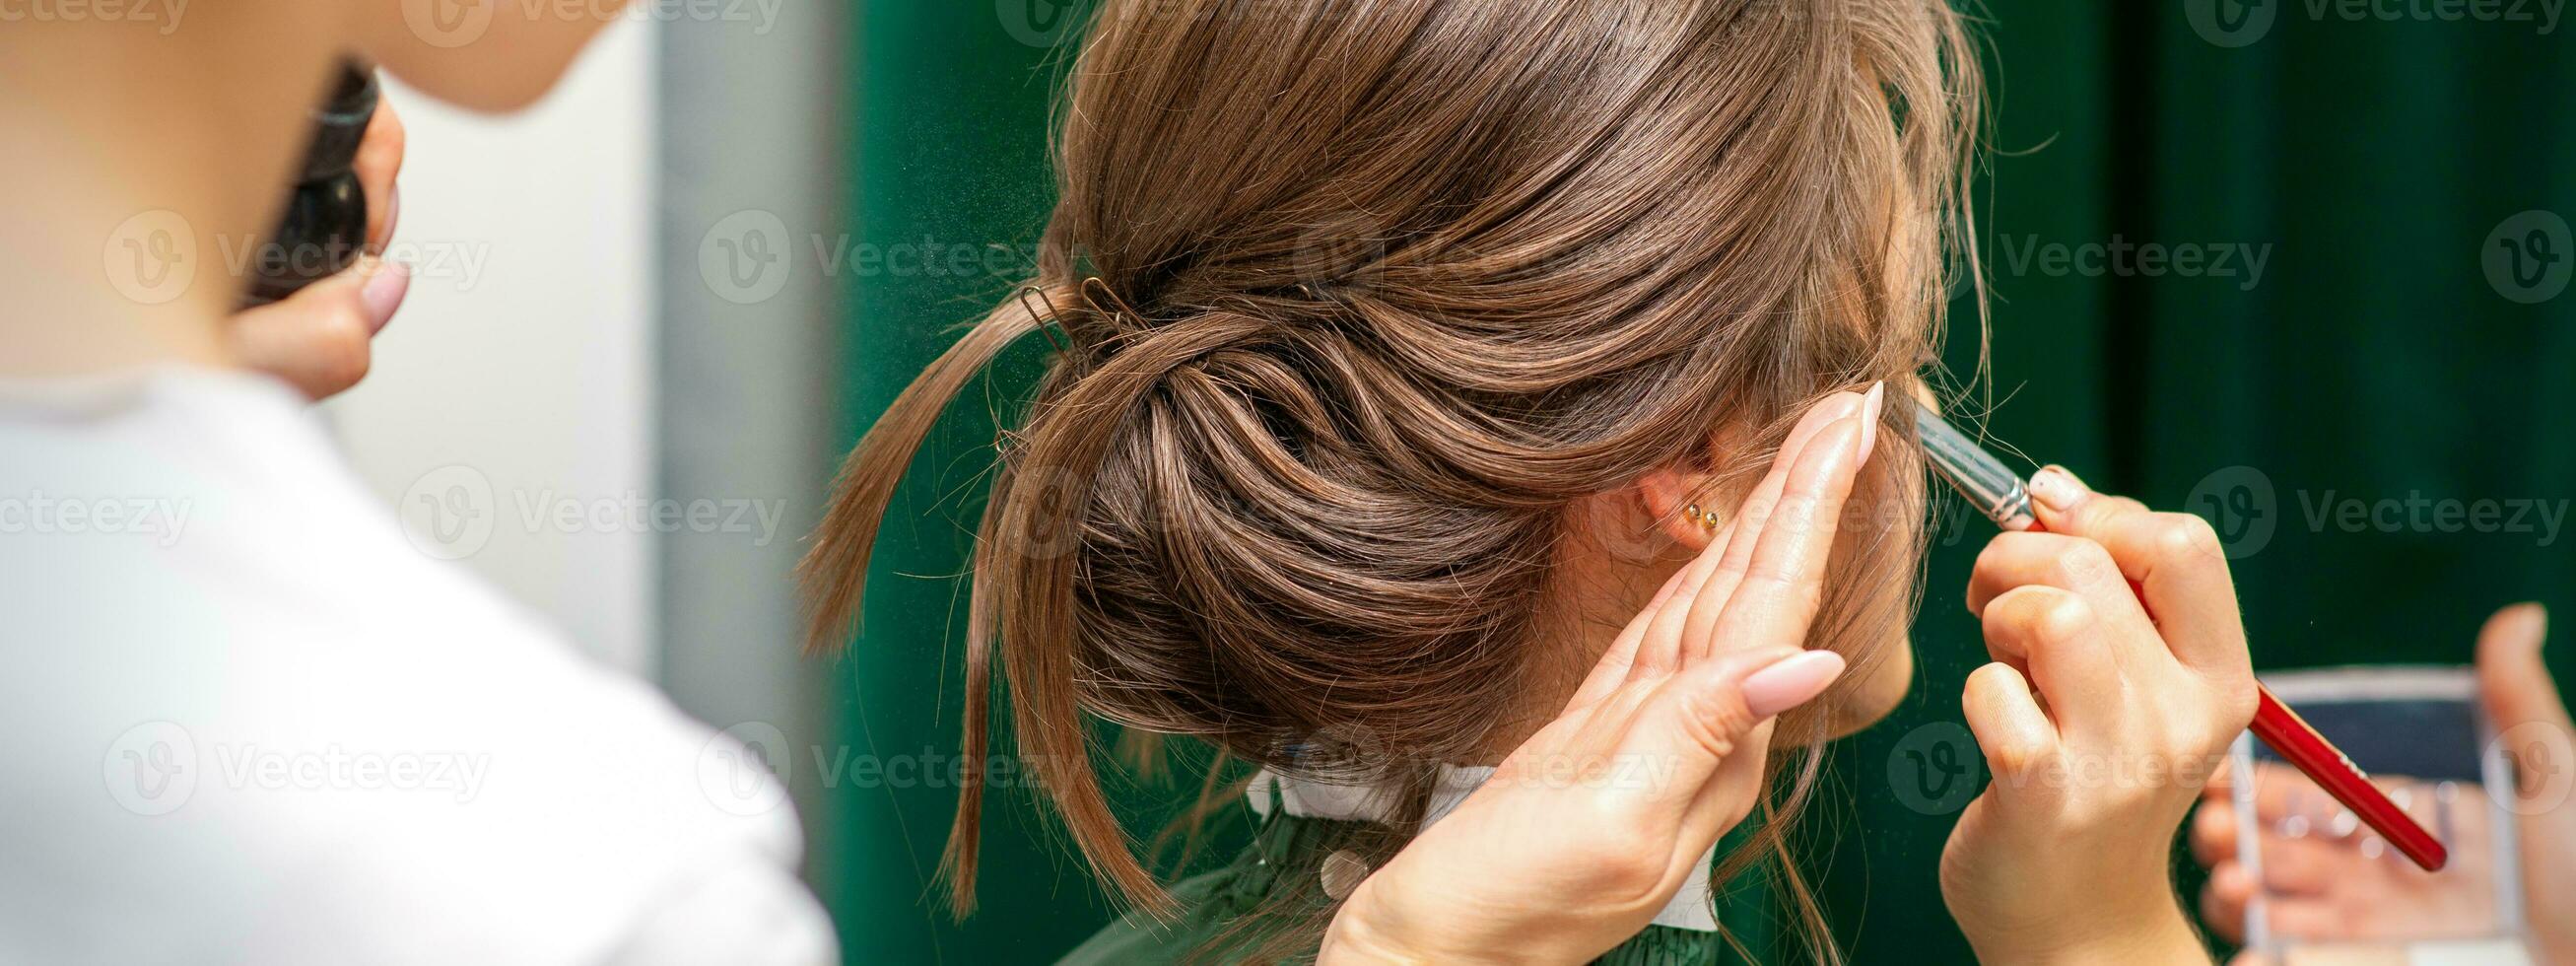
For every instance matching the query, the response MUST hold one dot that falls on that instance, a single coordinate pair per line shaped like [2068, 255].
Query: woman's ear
[1678, 502]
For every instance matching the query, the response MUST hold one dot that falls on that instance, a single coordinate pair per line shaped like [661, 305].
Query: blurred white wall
[509, 415]
[752, 124]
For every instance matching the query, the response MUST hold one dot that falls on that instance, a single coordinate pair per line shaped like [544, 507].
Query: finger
[319, 339]
[1709, 712]
[2213, 833]
[2308, 919]
[1731, 793]
[2018, 739]
[2058, 635]
[1658, 650]
[1616, 660]
[2280, 792]
[2065, 561]
[2512, 676]
[2530, 718]
[2174, 559]
[1708, 590]
[2306, 866]
[2074, 564]
[2223, 901]
[379, 169]
[1781, 584]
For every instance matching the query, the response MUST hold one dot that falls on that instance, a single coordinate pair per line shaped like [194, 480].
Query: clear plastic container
[2328, 890]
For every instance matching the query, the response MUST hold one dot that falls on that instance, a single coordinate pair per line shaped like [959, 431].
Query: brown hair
[1382, 289]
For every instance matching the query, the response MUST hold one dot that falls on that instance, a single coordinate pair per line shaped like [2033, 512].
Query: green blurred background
[2370, 166]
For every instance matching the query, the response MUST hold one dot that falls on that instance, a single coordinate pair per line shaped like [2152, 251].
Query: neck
[144, 163]
[1598, 593]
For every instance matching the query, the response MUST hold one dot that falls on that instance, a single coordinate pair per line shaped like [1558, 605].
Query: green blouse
[1215, 907]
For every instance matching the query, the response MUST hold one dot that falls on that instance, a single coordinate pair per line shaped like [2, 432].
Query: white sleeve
[752, 914]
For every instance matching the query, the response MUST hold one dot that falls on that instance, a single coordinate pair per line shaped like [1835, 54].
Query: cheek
[1881, 652]
[1876, 695]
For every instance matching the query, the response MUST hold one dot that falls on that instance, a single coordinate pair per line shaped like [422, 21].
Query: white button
[1342, 873]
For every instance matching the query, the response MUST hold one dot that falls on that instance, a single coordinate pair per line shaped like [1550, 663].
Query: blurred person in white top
[242, 720]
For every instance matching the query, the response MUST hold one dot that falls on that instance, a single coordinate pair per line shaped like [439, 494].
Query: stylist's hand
[2324, 885]
[1590, 827]
[320, 338]
[2100, 725]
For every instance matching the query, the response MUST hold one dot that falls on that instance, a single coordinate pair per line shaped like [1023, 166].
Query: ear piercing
[1706, 520]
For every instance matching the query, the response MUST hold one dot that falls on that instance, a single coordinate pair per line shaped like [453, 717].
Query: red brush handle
[2318, 759]
[2290, 736]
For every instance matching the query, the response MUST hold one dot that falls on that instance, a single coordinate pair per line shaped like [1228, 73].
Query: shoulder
[268, 728]
[465, 785]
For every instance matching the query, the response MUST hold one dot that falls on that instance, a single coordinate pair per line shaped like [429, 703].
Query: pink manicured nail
[1791, 683]
[2056, 488]
[384, 294]
[1841, 405]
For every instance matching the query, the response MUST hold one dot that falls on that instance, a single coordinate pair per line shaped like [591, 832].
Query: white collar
[1691, 908]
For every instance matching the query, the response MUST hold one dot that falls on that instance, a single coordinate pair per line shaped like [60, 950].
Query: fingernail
[1869, 408]
[383, 294]
[1791, 683]
[2056, 488]
[1841, 405]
